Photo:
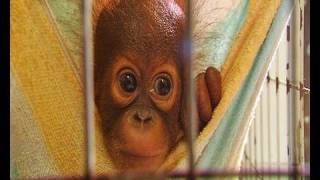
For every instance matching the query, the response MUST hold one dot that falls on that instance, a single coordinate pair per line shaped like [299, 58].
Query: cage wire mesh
[270, 143]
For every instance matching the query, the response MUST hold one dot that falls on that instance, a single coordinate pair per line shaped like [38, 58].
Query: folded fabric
[46, 79]
[214, 145]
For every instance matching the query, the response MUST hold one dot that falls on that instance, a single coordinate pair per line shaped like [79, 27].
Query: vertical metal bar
[255, 144]
[268, 124]
[251, 155]
[190, 104]
[290, 105]
[248, 152]
[89, 91]
[277, 111]
[262, 112]
[283, 96]
[289, 113]
[257, 138]
[298, 131]
[265, 126]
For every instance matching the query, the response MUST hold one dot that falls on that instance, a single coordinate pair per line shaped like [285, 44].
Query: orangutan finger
[203, 99]
[213, 81]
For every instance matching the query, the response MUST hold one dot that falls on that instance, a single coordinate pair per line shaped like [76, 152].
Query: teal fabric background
[219, 38]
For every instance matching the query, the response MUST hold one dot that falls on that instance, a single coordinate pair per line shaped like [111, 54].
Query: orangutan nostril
[143, 115]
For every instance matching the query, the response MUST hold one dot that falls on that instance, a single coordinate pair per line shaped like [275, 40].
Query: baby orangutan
[138, 81]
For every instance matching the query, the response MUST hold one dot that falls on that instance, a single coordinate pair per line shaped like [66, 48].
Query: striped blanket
[47, 87]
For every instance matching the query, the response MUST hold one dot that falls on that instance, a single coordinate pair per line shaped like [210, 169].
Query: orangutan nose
[143, 115]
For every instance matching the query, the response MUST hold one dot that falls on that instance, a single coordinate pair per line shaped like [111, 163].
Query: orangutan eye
[162, 85]
[128, 82]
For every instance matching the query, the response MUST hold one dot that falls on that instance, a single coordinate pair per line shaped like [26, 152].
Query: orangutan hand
[208, 91]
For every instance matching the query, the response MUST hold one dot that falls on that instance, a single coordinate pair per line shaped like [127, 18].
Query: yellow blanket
[47, 99]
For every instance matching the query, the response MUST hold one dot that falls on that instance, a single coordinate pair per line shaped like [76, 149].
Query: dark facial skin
[138, 81]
